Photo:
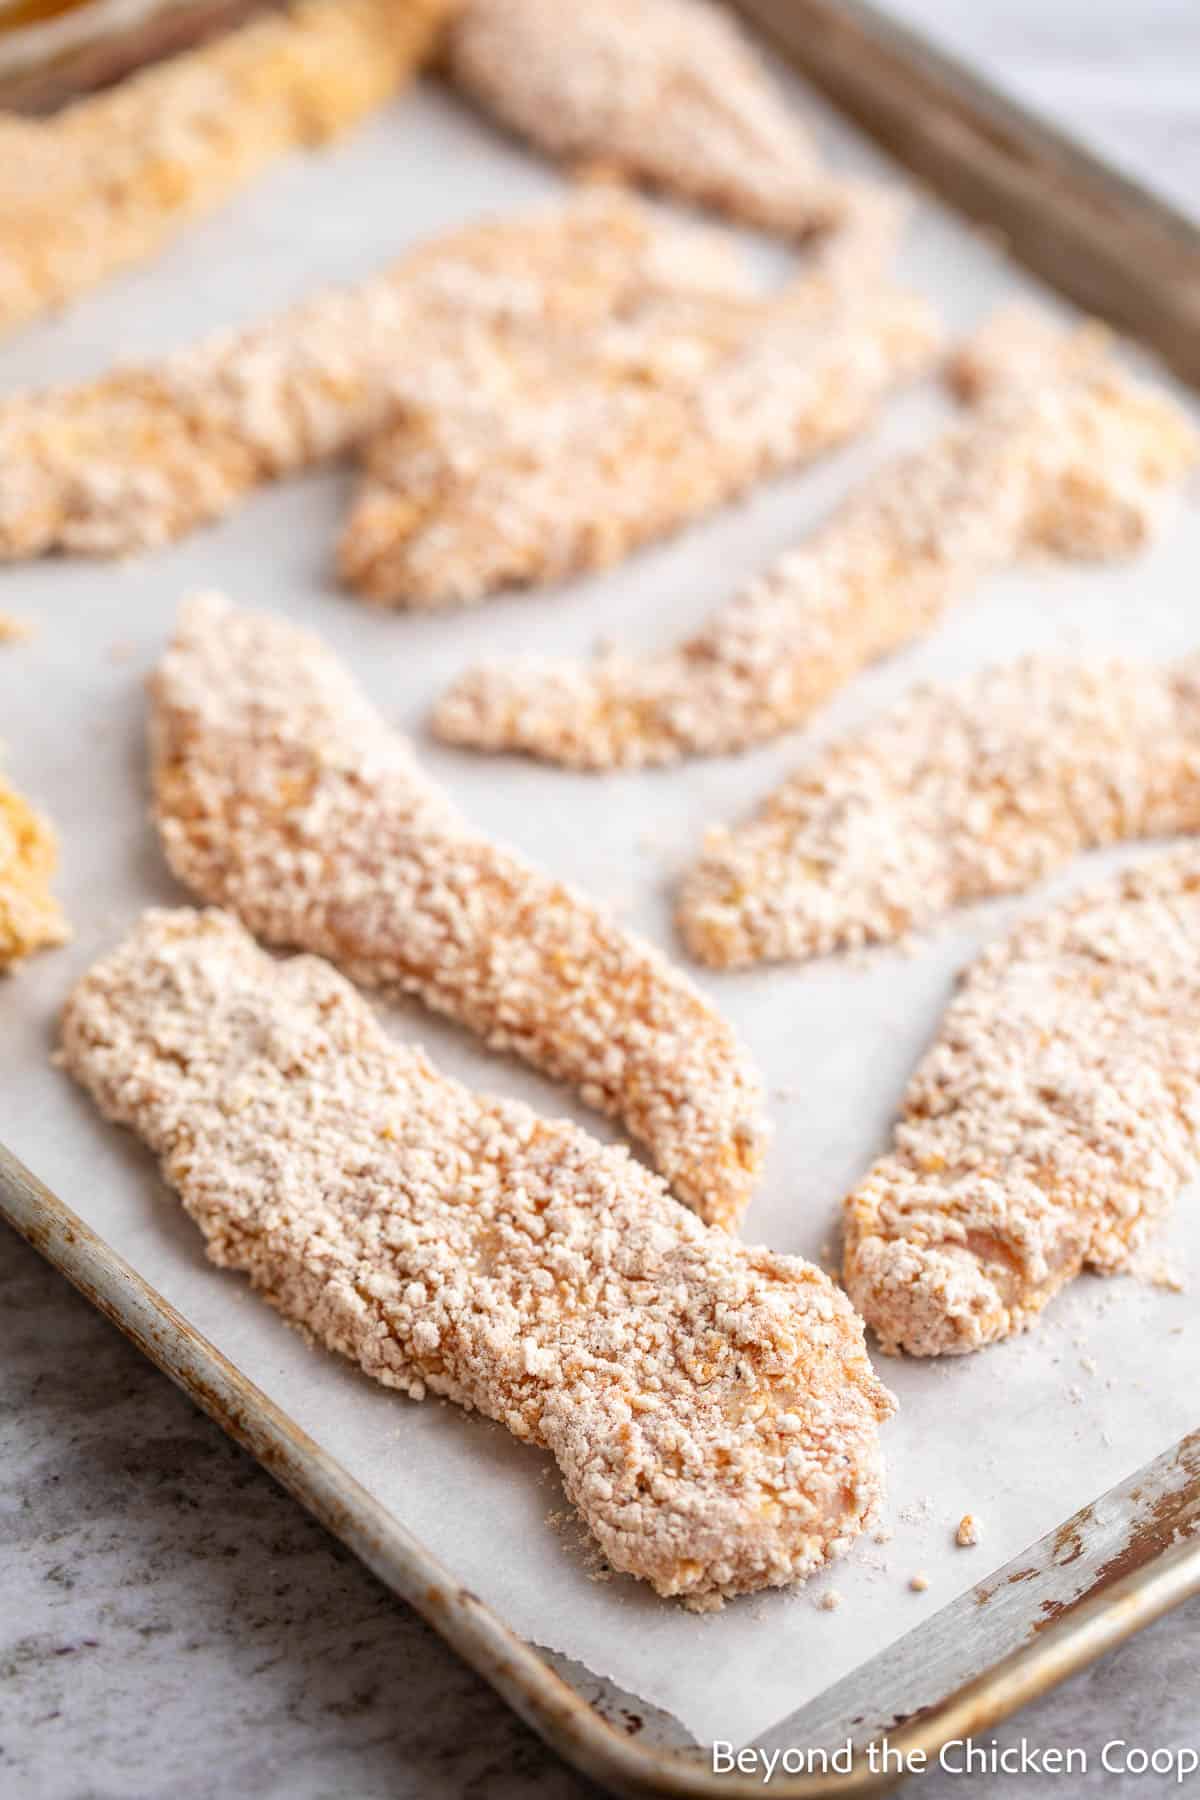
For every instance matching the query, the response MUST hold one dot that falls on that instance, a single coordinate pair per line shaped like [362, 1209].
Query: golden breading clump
[108, 181]
[1072, 456]
[666, 92]
[30, 916]
[1050, 1125]
[146, 453]
[711, 1407]
[282, 795]
[660, 417]
[964, 790]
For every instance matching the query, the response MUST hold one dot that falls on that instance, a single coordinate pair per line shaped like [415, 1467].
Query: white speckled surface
[171, 1623]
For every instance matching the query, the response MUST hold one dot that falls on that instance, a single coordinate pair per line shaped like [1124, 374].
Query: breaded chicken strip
[964, 790]
[282, 795]
[147, 453]
[108, 181]
[1072, 456]
[1050, 1125]
[667, 414]
[666, 92]
[711, 1407]
[30, 917]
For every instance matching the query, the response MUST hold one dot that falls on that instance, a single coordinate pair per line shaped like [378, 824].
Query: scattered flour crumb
[919, 1582]
[14, 630]
[968, 1531]
[830, 1600]
[1156, 1271]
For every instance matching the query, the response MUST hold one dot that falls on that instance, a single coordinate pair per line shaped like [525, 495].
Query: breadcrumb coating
[966, 789]
[282, 795]
[666, 92]
[1023, 345]
[1107, 499]
[30, 916]
[1050, 1125]
[711, 1406]
[666, 415]
[1072, 456]
[145, 454]
[108, 181]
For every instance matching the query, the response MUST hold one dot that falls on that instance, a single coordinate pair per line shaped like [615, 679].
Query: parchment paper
[1021, 1435]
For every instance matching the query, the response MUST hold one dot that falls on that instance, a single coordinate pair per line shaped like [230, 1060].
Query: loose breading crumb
[110, 179]
[666, 92]
[668, 413]
[30, 917]
[919, 1583]
[148, 452]
[1156, 1270]
[711, 1406]
[967, 1535]
[282, 794]
[1077, 460]
[964, 791]
[14, 630]
[830, 1600]
[917, 1512]
[1049, 1126]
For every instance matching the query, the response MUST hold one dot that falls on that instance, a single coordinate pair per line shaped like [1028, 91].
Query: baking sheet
[1020, 1436]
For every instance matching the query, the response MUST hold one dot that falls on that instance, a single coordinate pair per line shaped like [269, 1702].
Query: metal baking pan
[1111, 1567]
[52, 52]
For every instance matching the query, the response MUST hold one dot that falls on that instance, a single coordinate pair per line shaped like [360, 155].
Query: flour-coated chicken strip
[282, 795]
[711, 1406]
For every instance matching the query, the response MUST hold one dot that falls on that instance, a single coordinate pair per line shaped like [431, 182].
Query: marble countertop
[171, 1622]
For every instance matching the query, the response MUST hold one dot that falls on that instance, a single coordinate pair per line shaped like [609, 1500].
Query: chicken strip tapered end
[669, 93]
